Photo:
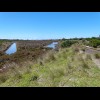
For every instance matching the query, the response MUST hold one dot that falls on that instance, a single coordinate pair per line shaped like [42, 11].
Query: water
[12, 49]
[52, 45]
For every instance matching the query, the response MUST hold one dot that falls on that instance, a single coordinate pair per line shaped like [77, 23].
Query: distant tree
[75, 38]
[93, 37]
[63, 39]
[81, 38]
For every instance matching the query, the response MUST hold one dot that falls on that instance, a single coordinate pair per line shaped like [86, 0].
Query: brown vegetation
[27, 50]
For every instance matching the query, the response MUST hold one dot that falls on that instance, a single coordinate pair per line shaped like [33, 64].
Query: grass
[64, 68]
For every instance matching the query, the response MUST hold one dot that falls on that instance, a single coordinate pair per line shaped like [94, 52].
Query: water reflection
[12, 49]
[52, 45]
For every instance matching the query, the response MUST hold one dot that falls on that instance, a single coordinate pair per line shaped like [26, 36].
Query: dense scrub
[67, 43]
[94, 42]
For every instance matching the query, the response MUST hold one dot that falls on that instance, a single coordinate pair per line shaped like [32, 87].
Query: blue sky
[48, 25]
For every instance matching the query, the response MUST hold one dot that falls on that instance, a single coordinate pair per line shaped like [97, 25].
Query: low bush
[97, 55]
[94, 42]
[67, 43]
[3, 78]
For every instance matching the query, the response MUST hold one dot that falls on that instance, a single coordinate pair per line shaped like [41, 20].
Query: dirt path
[91, 51]
[96, 61]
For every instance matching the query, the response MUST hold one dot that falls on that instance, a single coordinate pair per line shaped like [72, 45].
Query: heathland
[74, 62]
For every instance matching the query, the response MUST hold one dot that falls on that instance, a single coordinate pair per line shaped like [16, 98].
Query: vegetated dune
[70, 66]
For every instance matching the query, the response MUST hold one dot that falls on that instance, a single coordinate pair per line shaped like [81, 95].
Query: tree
[63, 39]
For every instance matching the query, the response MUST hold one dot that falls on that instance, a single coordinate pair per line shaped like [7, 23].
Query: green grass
[56, 69]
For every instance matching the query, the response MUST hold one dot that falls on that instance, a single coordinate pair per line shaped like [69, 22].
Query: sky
[49, 25]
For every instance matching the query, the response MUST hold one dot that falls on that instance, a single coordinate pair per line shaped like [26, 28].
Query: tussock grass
[3, 78]
[50, 56]
[88, 57]
[62, 68]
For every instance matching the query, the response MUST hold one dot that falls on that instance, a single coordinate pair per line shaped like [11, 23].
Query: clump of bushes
[33, 78]
[97, 55]
[3, 78]
[94, 42]
[67, 43]
[41, 63]
[76, 49]
[83, 49]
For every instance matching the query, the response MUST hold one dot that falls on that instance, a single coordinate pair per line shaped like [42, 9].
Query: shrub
[94, 42]
[85, 65]
[76, 49]
[69, 65]
[83, 49]
[97, 55]
[67, 43]
[33, 78]
[41, 63]
[88, 57]
[3, 78]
